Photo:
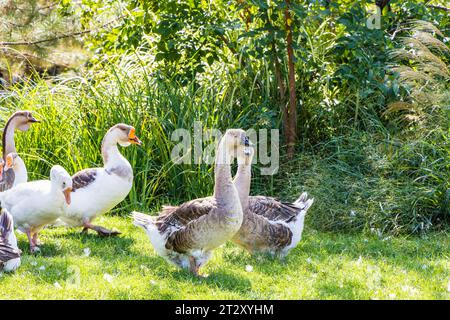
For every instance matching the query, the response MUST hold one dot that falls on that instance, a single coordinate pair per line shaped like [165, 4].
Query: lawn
[72, 265]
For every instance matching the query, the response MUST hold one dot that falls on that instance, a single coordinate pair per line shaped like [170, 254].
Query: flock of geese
[184, 235]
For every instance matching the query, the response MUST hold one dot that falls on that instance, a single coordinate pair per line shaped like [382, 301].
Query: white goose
[98, 190]
[9, 252]
[37, 203]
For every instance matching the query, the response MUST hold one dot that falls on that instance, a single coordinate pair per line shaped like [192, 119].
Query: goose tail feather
[141, 219]
[303, 202]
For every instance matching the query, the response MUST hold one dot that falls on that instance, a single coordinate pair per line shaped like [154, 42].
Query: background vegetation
[364, 113]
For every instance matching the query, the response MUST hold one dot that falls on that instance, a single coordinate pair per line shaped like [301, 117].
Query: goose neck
[8, 137]
[242, 182]
[20, 171]
[222, 171]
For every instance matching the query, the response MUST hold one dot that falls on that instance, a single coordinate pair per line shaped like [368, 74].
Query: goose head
[23, 120]
[245, 154]
[11, 161]
[236, 141]
[61, 181]
[124, 135]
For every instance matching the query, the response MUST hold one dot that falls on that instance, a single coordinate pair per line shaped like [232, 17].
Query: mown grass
[323, 266]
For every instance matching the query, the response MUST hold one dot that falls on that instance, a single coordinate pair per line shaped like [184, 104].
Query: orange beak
[67, 192]
[132, 138]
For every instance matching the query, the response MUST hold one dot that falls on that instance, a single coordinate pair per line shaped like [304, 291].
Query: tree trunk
[291, 125]
[281, 86]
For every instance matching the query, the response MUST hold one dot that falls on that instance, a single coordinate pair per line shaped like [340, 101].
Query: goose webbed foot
[35, 249]
[101, 231]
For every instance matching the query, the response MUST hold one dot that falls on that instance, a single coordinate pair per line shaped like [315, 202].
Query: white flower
[248, 268]
[153, 282]
[392, 295]
[87, 252]
[309, 260]
[108, 277]
[352, 213]
[42, 268]
[33, 263]
[57, 285]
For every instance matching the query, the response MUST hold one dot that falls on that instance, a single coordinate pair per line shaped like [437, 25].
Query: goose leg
[193, 266]
[31, 239]
[103, 232]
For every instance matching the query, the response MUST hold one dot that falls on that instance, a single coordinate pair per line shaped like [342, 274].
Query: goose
[9, 252]
[98, 190]
[21, 120]
[18, 174]
[187, 234]
[37, 203]
[269, 226]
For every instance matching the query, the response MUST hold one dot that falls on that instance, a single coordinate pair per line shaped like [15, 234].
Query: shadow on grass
[218, 278]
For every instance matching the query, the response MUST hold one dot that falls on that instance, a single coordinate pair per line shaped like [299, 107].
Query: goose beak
[67, 192]
[33, 119]
[132, 138]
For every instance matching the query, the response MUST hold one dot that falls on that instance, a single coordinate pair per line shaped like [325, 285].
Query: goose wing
[182, 215]
[8, 180]
[83, 178]
[259, 233]
[7, 252]
[190, 221]
[6, 225]
[273, 209]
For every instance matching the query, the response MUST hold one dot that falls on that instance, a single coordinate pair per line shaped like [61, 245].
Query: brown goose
[9, 252]
[269, 226]
[187, 234]
[22, 121]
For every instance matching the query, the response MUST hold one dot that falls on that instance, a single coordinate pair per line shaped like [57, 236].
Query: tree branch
[438, 7]
[59, 37]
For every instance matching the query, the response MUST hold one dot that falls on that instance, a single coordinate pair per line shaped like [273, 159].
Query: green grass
[323, 266]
